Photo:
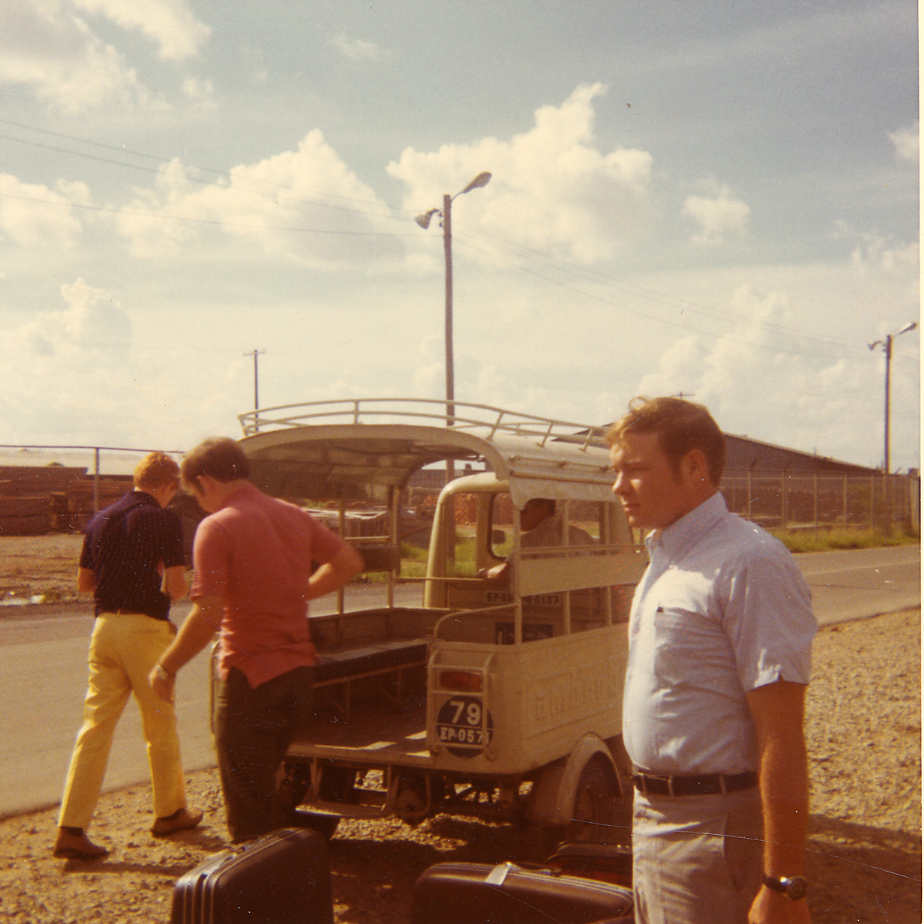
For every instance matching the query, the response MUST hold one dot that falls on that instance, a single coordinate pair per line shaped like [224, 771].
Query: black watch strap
[793, 887]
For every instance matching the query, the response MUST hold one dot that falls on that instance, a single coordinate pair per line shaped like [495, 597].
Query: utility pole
[886, 345]
[256, 377]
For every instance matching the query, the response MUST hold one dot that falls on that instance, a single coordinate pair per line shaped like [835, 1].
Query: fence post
[96, 479]
[783, 499]
[815, 509]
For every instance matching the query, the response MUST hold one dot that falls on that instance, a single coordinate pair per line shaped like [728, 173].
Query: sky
[715, 199]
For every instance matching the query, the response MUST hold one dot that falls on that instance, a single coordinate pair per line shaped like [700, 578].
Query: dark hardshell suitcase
[606, 862]
[281, 878]
[479, 893]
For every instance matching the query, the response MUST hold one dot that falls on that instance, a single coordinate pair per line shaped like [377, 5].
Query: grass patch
[414, 558]
[824, 540]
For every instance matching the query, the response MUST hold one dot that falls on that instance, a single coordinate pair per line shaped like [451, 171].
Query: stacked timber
[52, 498]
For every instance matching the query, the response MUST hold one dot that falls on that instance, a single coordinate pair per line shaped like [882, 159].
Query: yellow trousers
[123, 650]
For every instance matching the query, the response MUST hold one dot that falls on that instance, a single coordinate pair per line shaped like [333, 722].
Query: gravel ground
[864, 860]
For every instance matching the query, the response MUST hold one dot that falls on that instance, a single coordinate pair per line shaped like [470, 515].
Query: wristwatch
[793, 887]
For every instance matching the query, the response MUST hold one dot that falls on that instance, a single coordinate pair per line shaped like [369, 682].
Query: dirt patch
[864, 861]
[39, 566]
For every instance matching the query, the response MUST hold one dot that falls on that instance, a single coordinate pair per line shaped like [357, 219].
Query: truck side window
[500, 533]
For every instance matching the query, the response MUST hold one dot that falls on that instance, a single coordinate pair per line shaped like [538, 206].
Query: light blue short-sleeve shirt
[721, 610]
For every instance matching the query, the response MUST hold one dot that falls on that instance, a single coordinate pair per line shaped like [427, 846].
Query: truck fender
[555, 787]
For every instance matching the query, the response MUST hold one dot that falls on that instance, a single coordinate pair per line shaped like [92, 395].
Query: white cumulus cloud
[169, 23]
[304, 206]
[552, 188]
[720, 216]
[359, 50]
[32, 215]
[907, 143]
[48, 48]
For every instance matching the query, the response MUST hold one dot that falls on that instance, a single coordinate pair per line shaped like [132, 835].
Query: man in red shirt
[253, 559]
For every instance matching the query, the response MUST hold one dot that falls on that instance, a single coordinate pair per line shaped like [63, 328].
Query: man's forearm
[778, 711]
[200, 626]
[333, 575]
[785, 800]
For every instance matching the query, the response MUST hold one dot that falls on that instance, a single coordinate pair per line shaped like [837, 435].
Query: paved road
[43, 673]
[864, 582]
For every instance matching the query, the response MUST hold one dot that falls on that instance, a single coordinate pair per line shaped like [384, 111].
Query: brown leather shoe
[77, 847]
[180, 820]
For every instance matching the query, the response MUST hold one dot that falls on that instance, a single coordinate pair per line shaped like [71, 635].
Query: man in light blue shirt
[719, 657]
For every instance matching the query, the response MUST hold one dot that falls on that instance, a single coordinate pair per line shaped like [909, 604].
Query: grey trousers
[253, 732]
[697, 859]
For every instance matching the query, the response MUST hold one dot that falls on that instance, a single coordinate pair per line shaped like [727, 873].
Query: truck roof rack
[308, 450]
[481, 420]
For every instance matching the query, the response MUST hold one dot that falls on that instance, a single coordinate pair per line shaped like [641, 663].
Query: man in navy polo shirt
[134, 564]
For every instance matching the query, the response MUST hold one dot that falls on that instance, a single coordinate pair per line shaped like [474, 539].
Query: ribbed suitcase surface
[281, 878]
[478, 893]
[606, 862]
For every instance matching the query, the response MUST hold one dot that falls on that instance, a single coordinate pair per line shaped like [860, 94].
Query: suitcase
[479, 893]
[280, 878]
[606, 862]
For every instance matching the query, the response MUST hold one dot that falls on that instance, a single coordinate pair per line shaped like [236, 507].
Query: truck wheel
[595, 816]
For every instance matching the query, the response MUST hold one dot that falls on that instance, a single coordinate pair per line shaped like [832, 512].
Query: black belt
[703, 785]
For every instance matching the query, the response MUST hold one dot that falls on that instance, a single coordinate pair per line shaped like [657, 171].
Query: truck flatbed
[397, 739]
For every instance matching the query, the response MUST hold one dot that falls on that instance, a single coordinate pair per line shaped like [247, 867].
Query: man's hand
[774, 908]
[195, 633]
[164, 688]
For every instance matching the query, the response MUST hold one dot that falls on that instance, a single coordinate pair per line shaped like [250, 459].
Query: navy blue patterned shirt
[128, 545]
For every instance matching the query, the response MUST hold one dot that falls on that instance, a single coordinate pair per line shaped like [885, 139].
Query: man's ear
[694, 467]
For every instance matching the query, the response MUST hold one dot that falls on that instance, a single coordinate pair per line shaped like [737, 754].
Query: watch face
[795, 887]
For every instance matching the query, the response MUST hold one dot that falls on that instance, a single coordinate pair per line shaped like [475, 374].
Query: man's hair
[219, 457]
[680, 426]
[155, 470]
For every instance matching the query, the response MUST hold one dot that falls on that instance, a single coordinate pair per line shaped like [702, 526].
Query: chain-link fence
[788, 500]
[42, 486]
[58, 488]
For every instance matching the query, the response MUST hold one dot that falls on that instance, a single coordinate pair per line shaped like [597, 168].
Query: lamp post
[886, 345]
[424, 221]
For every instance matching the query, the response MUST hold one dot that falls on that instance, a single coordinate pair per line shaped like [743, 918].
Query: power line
[509, 251]
[199, 221]
[268, 188]
[650, 294]
[661, 320]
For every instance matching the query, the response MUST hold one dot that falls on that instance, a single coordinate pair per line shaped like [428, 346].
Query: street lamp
[424, 221]
[887, 347]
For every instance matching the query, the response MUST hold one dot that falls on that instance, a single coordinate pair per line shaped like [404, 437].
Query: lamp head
[481, 180]
[424, 219]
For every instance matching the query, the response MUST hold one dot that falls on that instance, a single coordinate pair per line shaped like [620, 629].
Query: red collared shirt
[257, 553]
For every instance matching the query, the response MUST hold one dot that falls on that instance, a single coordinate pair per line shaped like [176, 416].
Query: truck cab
[489, 683]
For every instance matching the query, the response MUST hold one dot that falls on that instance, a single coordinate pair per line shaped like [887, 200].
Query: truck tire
[595, 815]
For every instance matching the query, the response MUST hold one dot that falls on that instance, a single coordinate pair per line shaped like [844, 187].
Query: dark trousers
[253, 731]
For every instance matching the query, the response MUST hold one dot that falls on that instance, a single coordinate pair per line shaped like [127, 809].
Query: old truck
[457, 692]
